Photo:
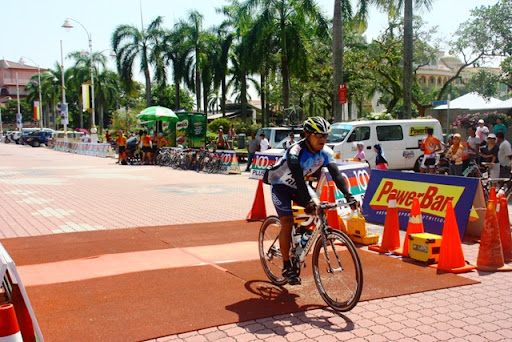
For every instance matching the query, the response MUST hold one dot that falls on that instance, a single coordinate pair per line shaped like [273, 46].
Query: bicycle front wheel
[270, 251]
[337, 271]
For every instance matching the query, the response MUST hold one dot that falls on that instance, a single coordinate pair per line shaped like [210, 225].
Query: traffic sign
[439, 103]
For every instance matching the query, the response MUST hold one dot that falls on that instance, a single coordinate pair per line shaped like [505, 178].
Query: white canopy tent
[472, 101]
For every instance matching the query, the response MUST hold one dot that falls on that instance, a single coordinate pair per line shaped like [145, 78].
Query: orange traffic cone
[415, 226]
[258, 211]
[391, 235]
[333, 219]
[504, 224]
[492, 194]
[490, 255]
[9, 328]
[451, 257]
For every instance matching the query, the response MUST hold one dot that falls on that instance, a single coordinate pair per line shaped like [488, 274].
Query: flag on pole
[37, 115]
[86, 97]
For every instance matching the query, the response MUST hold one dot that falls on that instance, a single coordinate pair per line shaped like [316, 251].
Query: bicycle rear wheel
[337, 271]
[270, 251]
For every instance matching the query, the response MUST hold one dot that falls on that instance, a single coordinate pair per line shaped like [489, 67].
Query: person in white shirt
[85, 138]
[473, 143]
[482, 131]
[504, 155]
[264, 144]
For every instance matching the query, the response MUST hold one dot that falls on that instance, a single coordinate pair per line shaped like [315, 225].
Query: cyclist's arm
[339, 181]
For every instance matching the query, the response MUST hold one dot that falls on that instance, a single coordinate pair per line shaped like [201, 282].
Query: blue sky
[32, 28]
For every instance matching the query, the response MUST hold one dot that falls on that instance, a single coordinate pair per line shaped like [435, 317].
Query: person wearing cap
[490, 156]
[482, 131]
[220, 141]
[454, 155]
[504, 155]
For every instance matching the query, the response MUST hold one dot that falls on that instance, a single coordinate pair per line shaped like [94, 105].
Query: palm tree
[107, 88]
[129, 43]
[195, 34]
[220, 67]
[174, 49]
[287, 20]
[394, 7]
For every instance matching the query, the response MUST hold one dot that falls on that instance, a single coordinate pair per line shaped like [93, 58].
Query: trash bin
[241, 141]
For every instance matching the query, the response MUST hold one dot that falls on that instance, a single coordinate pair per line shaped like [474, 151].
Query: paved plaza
[44, 192]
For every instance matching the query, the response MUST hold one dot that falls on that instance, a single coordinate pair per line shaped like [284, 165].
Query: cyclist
[287, 179]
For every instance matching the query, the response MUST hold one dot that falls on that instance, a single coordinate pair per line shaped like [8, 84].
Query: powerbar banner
[433, 191]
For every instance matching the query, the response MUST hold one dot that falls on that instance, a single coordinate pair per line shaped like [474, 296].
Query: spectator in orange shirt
[158, 145]
[429, 145]
[147, 147]
[121, 143]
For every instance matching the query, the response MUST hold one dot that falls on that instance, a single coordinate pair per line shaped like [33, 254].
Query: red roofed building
[8, 72]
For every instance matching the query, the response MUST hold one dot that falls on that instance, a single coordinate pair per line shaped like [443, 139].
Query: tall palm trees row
[270, 38]
[284, 42]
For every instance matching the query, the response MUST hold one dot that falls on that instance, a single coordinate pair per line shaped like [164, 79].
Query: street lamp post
[67, 25]
[63, 105]
[39, 86]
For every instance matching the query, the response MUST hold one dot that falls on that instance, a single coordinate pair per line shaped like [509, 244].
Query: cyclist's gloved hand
[310, 207]
[354, 204]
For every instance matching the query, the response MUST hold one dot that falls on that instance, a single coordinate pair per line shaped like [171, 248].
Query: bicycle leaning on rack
[337, 269]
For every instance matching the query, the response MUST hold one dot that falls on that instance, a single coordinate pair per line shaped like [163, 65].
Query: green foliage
[215, 124]
[125, 120]
[165, 96]
[490, 118]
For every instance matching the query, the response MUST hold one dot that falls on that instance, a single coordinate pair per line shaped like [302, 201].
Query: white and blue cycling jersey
[299, 156]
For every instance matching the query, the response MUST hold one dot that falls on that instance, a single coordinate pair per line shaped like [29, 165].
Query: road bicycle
[337, 269]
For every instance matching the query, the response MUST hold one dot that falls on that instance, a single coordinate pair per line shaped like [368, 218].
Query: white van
[400, 140]
[275, 134]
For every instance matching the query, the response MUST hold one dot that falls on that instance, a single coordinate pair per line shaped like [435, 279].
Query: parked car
[275, 134]
[25, 132]
[38, 138]
[14, 136]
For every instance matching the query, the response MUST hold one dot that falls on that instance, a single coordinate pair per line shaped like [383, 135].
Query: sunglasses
[321, 135]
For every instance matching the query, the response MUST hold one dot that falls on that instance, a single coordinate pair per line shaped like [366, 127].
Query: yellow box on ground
[425, 247]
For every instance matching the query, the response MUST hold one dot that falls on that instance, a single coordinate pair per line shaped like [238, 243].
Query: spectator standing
[290, 142]
[107, 136]
[220, 141]
[490, 155]
[121, 143]
[482, 131]
[264, 144]
[380, 161]
[454, 154]
[429, 145]
[252, 147]
[360, 156]
[500, 127]
[473, 143]
[147, 148]
[504, 155]
[86, 138]
[231, 136]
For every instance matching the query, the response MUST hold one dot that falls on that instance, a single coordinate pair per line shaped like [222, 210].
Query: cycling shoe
[291, 276]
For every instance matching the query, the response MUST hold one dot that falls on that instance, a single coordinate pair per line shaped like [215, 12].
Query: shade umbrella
[157, 113]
